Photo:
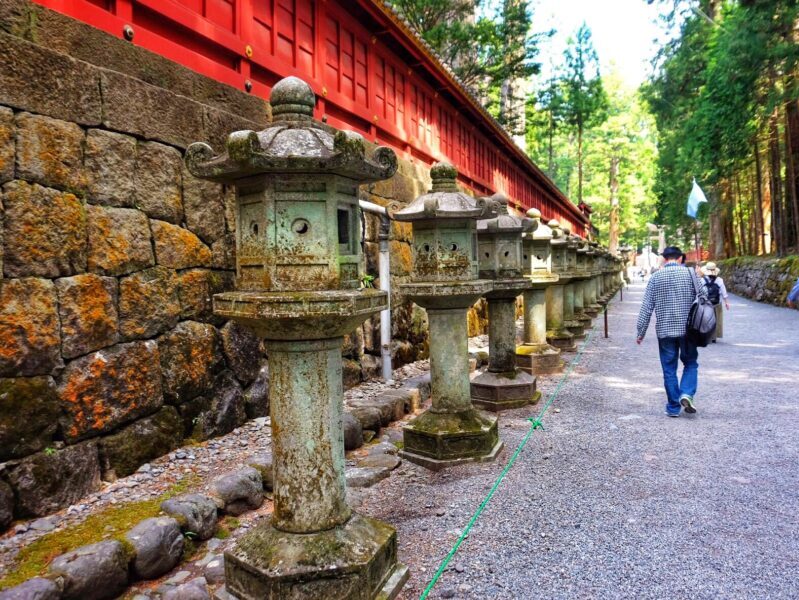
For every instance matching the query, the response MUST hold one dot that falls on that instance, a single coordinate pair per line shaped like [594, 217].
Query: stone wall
[763, 279]
[110, 253]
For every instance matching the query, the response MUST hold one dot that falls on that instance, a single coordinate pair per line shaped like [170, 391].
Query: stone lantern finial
[292, 99]
[444, 177]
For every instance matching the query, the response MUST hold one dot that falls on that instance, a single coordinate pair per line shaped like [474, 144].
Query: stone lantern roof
[445, 201]
[541, 231]
[293, 143]
[503, 222]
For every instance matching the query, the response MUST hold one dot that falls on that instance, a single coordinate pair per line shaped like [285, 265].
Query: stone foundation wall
[761, 278]
[110, 252]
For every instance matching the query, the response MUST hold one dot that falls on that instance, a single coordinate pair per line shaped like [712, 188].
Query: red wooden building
[370, 72]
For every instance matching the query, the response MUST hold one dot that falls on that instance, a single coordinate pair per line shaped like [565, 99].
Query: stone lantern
[499, 240]
[590, 306]
[570, 321]
[626, 251]
[297, 277]
[583, 267]
[557, 333]
[446, 283]
[535, 355]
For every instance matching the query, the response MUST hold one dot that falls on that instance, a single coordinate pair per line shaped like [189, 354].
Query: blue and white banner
[695, 199]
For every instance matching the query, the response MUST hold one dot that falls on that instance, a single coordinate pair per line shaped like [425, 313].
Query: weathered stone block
[95, 572]
[196, 288]
[226, 410]
[148, 111]
[157, 182]
[351, 373]
[48, 481]
[28, 415]
[50, 152]
[45, 232]
[223, 252]
[256, 397]
[189, 358]
[119, 241]
[204, 205]
[142, 441]
[7, 144]
[29, 328]
[106, 389]
[25, 85]
[178, 248]
[242, 351]
[6, 511]
[159, 545]
[353, 432]
[148, 303]
[110, 159]
[87, 308]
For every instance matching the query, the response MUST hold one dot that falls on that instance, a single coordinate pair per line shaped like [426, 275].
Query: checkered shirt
[670, 294]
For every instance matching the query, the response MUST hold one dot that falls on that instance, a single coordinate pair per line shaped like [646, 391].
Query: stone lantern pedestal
[297, 278]
[535, 355]
[570, 320]
[558, 334]
[502, 385]
[580, 313]
[446, 285]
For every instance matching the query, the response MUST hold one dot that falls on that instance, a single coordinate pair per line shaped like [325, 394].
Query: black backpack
[713, 290]
[702, 319]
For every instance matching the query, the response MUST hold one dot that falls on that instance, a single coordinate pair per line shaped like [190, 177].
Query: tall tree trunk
[759, 224]
[775, 183]
[717, 246]
[744, 244]
[791, 165]
[613, 233]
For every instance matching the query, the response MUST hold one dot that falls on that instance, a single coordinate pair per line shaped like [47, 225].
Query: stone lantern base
[539, 359]
[562, 339]
[584, 318]
[440, 440]
[355, 561]
[576, 328]
[502, 391]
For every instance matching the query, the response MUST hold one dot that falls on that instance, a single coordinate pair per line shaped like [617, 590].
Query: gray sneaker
[688, 404]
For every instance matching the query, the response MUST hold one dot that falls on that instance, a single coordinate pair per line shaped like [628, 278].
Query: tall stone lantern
[446, 283]
[590, 307]
[499, 243]
[570, 321]
[557, 333]
[535, 355]
[583, 267]
[297, 277]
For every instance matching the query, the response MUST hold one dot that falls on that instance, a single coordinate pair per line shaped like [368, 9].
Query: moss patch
[111, 523]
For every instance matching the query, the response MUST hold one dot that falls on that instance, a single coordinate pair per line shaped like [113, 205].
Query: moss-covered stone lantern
[502, 385]
[591, 306]
[581, 311]
[446, 283]
[535, 355]
[557, 333]
[298, 269]
[570, 321]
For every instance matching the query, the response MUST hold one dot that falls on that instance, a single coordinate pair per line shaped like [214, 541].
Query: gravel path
[615, 500]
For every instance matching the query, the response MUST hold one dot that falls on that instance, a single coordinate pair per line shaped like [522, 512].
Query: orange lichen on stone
[119, 241]
[178, 248]
[101, 391]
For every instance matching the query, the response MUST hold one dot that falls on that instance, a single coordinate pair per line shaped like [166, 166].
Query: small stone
[95, 572]
[353, 432]
[240, 491]
[381, 461]
[360, 477]
[264, 464]
[37, 588]
[46, 524]
[441, 513]
[215, 570]
[159, 546]
[459, 568]
[196, 589]
[196, 512]
[383, 448]
[178, 578]
[448, 592]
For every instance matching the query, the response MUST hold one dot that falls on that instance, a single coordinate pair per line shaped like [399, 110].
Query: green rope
[535, 423]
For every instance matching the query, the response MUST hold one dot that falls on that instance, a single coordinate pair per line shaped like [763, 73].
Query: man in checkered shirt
[670, 294]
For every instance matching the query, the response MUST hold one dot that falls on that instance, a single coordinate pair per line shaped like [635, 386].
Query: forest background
[721, 106]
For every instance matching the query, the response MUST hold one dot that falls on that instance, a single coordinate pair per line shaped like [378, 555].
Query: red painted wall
[369, 76]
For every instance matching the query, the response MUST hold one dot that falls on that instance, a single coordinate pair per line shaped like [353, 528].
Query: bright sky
[622, 30]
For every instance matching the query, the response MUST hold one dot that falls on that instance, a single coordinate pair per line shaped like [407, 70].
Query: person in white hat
[716, 291]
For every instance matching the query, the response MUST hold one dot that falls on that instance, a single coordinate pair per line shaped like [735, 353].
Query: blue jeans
[670, 350]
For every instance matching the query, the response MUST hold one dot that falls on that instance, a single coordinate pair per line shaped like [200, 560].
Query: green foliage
[487, 43]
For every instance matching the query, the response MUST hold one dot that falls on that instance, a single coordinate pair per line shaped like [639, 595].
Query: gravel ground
[615, 500]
